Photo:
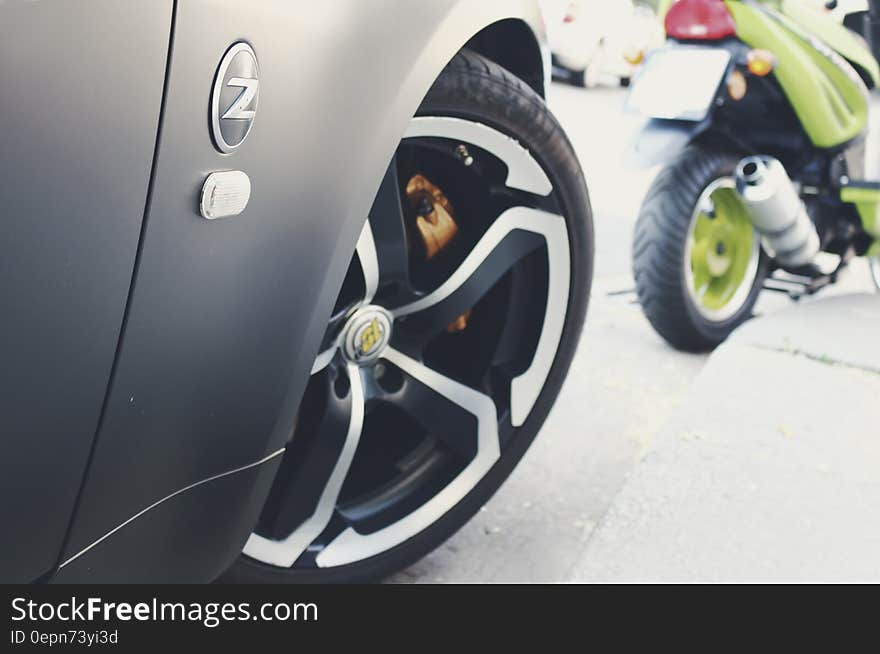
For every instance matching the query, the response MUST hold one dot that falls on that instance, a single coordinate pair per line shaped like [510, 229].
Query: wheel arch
[513, 44]
[279, 278]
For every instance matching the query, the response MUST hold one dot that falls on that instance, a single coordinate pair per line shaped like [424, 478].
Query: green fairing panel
[867, 202]
[835, 35]
[832, 107]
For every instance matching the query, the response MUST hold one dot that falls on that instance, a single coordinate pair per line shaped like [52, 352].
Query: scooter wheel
[698, 262]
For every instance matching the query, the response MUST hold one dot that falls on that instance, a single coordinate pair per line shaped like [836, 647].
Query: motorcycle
[759, 110]
[857, 15]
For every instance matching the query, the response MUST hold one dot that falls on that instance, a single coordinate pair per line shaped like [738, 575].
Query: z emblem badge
[235, 97]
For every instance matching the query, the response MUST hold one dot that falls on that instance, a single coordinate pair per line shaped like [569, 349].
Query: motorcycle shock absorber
[777, 211]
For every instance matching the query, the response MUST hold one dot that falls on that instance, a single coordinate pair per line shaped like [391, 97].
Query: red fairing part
[700, 20]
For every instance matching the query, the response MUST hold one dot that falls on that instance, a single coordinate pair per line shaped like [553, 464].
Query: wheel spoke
[702, 274]
[387, 239]
[515, 233]
[323, 359]
[369, 260]
[483, 431]
[308, 498]
[438, 404]
[493, 257]
[703, 226]
[525, 388]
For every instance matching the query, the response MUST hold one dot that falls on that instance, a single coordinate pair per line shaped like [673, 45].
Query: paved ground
[770, 470]
[625, 386]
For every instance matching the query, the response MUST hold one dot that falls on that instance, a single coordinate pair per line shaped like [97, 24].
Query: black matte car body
[153, 361]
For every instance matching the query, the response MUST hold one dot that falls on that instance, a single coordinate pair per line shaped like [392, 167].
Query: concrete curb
[770, 470]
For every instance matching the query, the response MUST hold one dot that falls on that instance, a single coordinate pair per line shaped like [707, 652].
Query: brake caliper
[436, 225]
[434, 212]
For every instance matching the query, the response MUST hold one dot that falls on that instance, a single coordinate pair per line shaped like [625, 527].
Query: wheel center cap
[718, 263]
[366, 334]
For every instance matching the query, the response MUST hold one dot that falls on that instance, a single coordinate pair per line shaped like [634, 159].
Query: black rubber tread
[476, 88]
[659, 250]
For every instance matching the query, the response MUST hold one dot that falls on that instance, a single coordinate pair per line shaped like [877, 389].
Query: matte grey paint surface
[198, 516]
[226, 316]
[80, 93]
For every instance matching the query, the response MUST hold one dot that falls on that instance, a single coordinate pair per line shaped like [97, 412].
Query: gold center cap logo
[370, 337]
[367, 334]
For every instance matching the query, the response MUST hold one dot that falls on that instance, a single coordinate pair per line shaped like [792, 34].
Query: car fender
[225, 317]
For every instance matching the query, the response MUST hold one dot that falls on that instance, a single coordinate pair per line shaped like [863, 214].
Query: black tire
[659, 250]
[472, 87]
[625, 82]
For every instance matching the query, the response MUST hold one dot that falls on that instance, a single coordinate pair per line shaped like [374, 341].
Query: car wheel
[449, 342]
[698, 263]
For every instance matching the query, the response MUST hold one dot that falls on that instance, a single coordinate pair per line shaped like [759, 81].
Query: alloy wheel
[439, 346]
[723, 253]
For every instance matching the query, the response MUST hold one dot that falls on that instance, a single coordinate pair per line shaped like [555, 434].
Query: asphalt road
[624, 386]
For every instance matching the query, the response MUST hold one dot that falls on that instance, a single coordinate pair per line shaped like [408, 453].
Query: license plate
[679, 83]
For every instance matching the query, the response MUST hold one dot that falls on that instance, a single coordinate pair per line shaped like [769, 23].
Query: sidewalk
[770, 471]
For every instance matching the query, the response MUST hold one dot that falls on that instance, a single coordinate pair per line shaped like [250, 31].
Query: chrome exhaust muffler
[777, 211]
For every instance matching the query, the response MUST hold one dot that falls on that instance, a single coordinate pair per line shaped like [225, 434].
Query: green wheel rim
[722, 254]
